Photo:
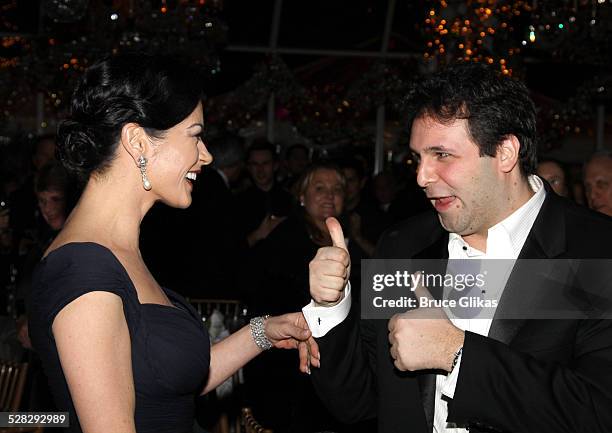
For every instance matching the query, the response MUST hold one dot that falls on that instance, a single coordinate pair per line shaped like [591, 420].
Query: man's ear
[508, 153]
[135, 141]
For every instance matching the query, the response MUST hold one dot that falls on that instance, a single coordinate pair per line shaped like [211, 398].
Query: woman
[284, 400]
[123, 354]
[279, 264]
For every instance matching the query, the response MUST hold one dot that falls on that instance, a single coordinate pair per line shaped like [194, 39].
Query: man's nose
[425, 174]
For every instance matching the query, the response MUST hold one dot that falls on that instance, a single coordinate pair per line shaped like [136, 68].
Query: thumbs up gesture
[330, 268]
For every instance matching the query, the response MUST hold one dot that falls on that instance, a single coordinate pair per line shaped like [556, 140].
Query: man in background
[598, 182]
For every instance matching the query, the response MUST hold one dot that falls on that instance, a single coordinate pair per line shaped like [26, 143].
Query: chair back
[232, 309]
[12, 382]
[250, 424]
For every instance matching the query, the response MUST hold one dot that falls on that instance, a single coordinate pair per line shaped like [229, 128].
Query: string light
[474, 31]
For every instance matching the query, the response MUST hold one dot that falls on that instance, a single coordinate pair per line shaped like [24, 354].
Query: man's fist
[423, 339]
[331, 268]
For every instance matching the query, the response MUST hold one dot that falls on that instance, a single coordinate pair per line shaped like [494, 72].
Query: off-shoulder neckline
[171, 295]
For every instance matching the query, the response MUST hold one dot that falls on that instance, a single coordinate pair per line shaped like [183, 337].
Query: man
[297, 159]
[366, 222]
[228, 153]
[598, 182]
[265, 204]
[473, 135]
[554, 173]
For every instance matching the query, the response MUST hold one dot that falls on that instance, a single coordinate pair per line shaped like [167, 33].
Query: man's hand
[424, 338]
[290, 331]
[330, 268]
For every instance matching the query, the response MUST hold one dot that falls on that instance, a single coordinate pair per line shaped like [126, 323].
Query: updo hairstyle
[155, 92]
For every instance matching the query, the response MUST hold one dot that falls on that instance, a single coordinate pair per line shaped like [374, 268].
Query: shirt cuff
[321, 320]
[450, 382]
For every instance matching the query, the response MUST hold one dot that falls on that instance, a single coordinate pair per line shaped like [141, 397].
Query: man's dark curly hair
[495, 106]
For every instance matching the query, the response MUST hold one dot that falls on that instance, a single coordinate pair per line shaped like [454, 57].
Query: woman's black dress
[169, 344]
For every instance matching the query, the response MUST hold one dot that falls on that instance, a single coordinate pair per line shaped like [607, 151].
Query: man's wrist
[454, 349]
[331, 304]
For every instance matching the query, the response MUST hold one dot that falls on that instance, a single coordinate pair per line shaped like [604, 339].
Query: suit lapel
[545, 240]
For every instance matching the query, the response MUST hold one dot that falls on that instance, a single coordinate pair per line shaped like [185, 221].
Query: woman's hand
[290, 331]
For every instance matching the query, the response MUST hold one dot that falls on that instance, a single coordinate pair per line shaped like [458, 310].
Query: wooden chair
[12, 383]
[250, 424]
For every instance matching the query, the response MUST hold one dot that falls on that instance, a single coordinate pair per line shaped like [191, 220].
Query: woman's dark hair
[494, 106]
[153, 91]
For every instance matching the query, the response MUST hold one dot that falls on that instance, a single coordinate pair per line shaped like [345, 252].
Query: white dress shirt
[504, 241]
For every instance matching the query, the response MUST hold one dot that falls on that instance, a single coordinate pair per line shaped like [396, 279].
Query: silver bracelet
[456, 358]
[258, 333]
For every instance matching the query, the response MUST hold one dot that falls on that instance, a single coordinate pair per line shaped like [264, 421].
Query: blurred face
[324, 195]
[554, 175]
[598, 184]
[462, 186]
[178, 159]
[353, 183]
[52, 205]
[233, 172]
[297, 161]
[261, 166]
[45, 153]
[384, 189]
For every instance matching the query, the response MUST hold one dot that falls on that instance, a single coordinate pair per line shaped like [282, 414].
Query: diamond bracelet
[257, 331]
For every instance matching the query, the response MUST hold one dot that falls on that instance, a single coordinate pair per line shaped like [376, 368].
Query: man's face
[45, 153]
[384, 188]
[297, 161]
[554, 175]
[52, 205]
[353, 183]
[598, 184]
[261, 166]
[462, 186]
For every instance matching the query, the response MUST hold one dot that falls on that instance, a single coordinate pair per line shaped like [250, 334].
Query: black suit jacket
[526, 376]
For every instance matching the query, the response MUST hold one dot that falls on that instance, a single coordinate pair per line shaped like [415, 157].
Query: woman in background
[122, 353]
[284, 400]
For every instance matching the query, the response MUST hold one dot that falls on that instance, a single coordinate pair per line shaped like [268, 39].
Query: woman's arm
[288, 331]
[93, 343]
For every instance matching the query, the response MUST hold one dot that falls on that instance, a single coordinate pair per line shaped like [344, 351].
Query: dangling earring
[142, 163]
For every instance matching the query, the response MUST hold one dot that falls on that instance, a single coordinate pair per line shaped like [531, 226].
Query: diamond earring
[142, 164]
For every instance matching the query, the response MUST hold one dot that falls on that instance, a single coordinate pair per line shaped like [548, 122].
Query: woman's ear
[135, 141]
